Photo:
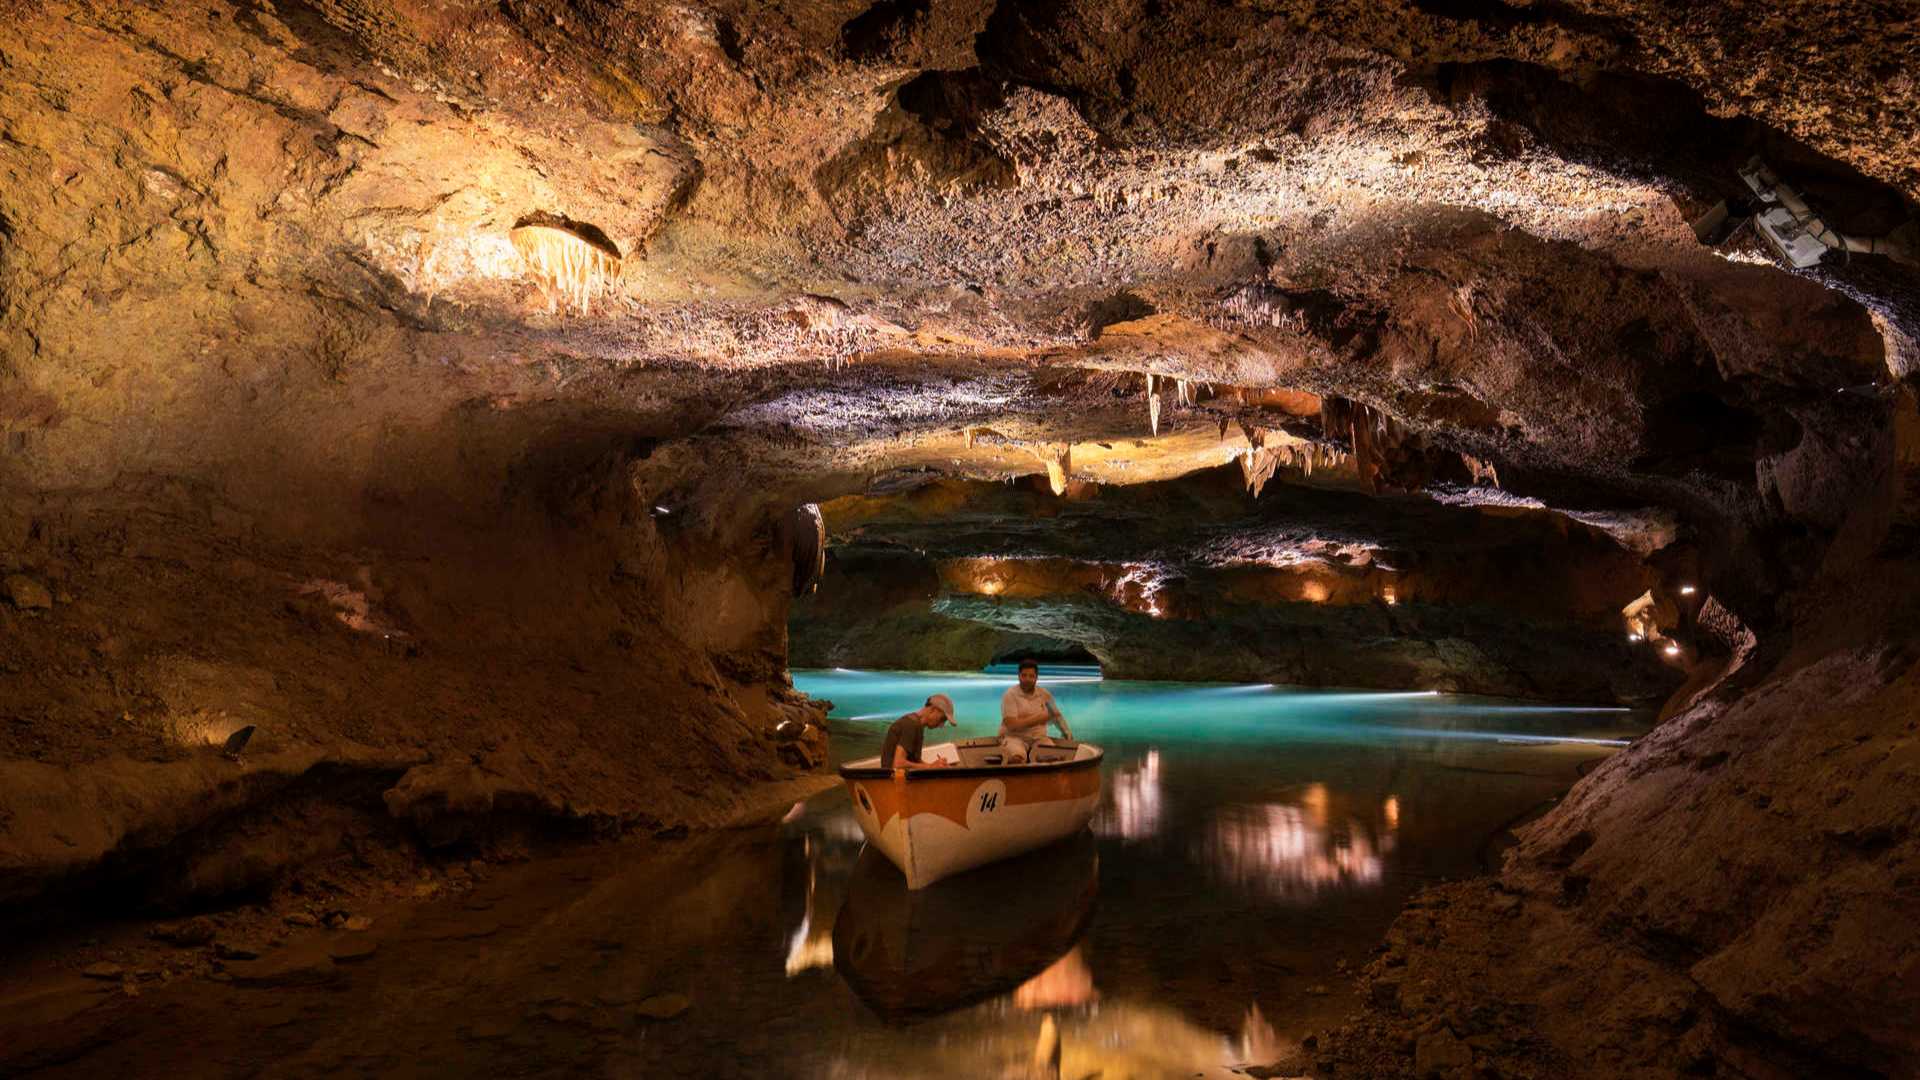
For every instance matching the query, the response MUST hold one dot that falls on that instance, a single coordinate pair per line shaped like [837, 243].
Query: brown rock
[1385, 989]
[284, 969]
[353, 949]
[189, 933]
[233, 950]
[103, 970]
[26, 593]
[1440, 1053]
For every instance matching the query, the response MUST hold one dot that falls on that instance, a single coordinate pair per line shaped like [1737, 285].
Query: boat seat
[977, 752]
[1054, 750]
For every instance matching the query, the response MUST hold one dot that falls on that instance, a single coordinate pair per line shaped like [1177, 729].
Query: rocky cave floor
[489, 403]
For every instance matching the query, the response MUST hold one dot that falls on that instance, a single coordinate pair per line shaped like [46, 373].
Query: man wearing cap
[1025, 711]
[901, 750]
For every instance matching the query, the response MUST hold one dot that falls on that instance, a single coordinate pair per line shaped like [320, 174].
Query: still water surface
[1252, 847]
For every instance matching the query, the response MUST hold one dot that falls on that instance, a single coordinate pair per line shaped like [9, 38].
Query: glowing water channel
[1253, 844]
[1261, 714]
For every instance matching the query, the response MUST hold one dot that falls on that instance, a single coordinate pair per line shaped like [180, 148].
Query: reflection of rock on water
[911, 954]
[1291, 852]
[830, 853]
[1066, 982]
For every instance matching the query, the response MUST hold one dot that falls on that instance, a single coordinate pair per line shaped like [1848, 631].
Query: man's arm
[902, 761]
[1058, 717]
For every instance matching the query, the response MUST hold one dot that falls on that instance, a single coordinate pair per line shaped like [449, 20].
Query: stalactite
[567, 265]
[1483, 472]
[1059, 466]
[1153, 403]
[1259, 461]
[1257, 467]
[1269, 449]
[1372, 435]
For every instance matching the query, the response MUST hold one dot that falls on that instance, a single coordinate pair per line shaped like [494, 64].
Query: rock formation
[433, 387]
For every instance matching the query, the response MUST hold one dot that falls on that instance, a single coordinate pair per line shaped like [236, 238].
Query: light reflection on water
[1248, 841]
[1130, 808]
[1280, 851]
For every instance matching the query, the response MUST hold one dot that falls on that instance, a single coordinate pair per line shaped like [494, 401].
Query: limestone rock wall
[582, 663]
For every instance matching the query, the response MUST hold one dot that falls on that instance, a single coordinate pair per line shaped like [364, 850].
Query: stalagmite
[567, 264]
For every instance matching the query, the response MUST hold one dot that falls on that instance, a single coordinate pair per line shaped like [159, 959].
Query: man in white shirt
[1025, 712]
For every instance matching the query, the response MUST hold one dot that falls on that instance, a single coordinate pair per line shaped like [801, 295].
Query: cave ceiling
[298, 249]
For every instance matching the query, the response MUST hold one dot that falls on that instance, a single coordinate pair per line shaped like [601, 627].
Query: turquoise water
[1264, 715]
[1252, 847]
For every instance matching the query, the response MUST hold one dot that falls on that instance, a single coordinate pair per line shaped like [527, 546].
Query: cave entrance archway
[1049, 653]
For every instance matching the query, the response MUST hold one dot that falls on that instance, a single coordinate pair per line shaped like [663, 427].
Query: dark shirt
[906, 733]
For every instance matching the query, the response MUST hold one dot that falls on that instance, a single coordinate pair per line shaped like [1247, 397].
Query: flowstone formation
[437, 388]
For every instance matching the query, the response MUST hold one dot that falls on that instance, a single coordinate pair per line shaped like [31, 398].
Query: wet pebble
[189, 933]
[663, 1006]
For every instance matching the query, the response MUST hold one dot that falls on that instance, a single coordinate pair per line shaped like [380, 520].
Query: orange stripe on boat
[950, 797]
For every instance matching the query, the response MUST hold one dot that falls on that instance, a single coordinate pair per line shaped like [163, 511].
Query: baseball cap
[945, 705]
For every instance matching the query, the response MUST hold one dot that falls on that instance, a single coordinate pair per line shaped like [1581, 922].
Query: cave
[472, 475]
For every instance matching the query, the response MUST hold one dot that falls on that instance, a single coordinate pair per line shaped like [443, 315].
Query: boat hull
[935, 823]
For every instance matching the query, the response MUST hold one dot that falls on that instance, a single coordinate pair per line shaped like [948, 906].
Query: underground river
[1253, 845]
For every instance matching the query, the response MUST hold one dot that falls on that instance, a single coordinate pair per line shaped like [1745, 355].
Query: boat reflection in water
[911, 954]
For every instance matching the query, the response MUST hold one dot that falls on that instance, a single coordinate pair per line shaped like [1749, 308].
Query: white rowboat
[937, 822]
